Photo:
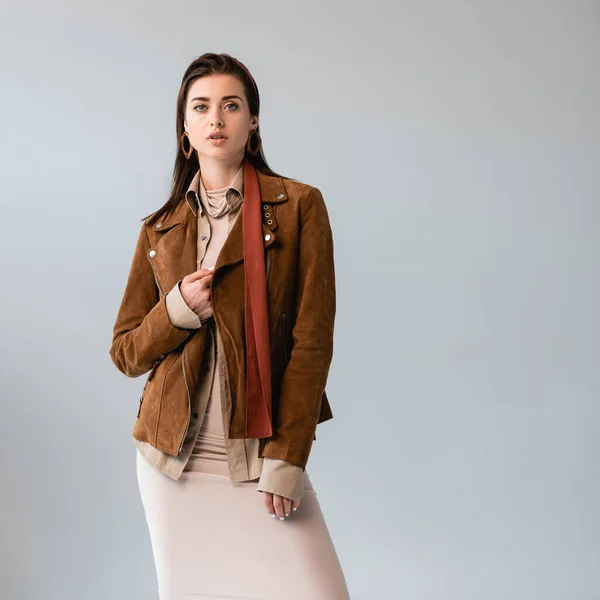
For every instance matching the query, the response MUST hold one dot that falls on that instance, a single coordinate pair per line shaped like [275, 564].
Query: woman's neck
[217, 174]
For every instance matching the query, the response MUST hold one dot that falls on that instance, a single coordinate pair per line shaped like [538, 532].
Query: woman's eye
[235, 106]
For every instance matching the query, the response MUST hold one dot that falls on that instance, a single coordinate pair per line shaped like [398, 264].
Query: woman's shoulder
[300, 191]
[165, 218]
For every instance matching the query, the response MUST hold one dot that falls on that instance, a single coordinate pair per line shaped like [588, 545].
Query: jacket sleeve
[143, 331]
[282, 478]
[180, 313]
[306, 374]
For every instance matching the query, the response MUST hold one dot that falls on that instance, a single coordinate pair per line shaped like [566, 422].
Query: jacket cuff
[180, 313]
[296, 453]
[282, 478]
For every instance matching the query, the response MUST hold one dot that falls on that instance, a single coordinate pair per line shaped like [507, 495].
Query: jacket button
[281, 195]
[195, 415]
[159, 224]
[265, 206]
[152, 253]
[268, 237]
[202, 237]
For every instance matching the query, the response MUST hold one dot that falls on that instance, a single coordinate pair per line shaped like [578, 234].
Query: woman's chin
[221, 152]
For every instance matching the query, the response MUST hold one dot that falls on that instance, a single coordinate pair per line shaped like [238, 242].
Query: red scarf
[258, 347]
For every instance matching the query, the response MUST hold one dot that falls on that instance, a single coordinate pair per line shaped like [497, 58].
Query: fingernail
[282, 518]
[273, 515]
[295, 508]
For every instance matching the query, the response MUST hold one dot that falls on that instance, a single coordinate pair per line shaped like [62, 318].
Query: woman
[229, 306]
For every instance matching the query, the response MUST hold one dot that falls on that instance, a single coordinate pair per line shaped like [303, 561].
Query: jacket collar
[176, 253]
[272, 191]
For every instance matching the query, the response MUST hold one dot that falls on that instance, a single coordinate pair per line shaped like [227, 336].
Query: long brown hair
[183, 171]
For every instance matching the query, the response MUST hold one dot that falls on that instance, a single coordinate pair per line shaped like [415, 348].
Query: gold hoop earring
[254, 151]
[186, 153]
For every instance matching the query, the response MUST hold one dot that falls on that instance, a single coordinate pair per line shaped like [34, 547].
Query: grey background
[457, 146]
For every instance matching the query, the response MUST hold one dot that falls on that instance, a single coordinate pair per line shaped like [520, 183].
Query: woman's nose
[215, 116]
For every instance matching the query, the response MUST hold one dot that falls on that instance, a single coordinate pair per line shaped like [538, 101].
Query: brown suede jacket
[301, 300]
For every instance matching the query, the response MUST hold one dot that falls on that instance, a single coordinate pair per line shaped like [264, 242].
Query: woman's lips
[217, 141]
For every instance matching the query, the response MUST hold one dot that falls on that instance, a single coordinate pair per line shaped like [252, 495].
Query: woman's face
[217, 103]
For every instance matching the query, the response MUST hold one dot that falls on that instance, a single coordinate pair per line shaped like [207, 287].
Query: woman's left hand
[280, 506]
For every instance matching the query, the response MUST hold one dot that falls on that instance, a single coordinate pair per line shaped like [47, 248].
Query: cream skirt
[213, 539]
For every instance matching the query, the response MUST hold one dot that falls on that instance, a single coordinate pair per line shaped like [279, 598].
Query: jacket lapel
[174, 245]
[272, 192]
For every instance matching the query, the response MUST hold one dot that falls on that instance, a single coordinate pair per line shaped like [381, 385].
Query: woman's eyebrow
[207, 99]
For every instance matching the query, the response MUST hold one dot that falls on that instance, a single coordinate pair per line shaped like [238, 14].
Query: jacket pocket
[286, 352]
[151, 375]
[284, 346]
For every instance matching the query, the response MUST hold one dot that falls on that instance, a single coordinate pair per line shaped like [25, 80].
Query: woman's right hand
[195, 290]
